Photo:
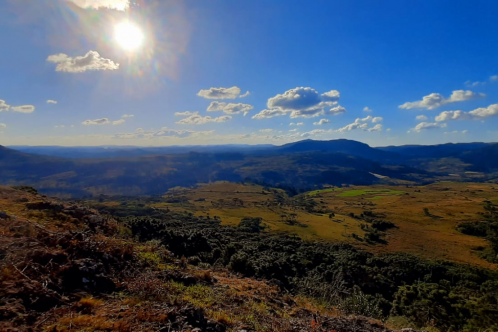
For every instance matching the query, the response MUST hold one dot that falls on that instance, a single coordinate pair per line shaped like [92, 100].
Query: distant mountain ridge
[80, 152]
[435, 151]
[295, 166]
[344, 146]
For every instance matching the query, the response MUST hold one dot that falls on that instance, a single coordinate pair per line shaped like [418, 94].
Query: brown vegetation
[66, 268]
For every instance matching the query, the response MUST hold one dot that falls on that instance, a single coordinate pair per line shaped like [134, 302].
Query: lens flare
[128, 36]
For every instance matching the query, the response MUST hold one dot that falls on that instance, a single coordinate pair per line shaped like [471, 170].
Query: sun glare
[128, 36]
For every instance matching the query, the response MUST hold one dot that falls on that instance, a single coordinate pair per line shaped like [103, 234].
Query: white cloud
[332, 95]
[229, 108]
[362, 124]
[367, 109]
[296, 124]
[101, 121]
[321, 122]
[377, 127]
[220, 93]
[318, 110]
[309, 113]
[269, 130]
[428, 125]
[302, 102]
[295, 99]
[4, 106]
[266, 114]
[50, 101]
[388, 129]
[370, 119]
[313, 132]
[118, 122]
[435, 100]
[79, 64]
[477, 114]
[163, 132]
[96, 4]
[23, 109]
[186, 113]
[127, 116]
[471, 84]
[3, 125]
[60, 126]
[421, 118]
[245, 94]
[465, 131]
[337, 110]
[353, 126]
[198, 119]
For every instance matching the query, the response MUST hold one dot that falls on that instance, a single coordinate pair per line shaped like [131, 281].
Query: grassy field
[430, 235]
[321, 191]
[362, 192]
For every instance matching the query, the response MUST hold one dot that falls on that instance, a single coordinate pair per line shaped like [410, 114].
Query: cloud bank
[435, 100]
[477, 114]
[163, 132]
[197, 119]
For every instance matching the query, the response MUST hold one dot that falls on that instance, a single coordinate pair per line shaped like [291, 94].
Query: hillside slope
[65, 267]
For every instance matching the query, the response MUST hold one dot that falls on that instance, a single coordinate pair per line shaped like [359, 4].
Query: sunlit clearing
[128, 36]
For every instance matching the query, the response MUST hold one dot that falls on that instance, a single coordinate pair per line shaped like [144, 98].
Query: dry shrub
[146, 315]
[84, 322]
[87, 304]
[204, 275]
[147, 286]
[221, 317]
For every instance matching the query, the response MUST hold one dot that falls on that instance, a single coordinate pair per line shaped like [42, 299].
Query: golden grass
[419, 234]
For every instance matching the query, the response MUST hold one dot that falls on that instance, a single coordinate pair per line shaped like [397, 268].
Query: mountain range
[307, 164]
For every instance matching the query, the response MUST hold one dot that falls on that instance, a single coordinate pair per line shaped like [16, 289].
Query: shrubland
[65, 266]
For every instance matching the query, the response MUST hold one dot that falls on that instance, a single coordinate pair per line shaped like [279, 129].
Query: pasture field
[361, 192]
[425, 216]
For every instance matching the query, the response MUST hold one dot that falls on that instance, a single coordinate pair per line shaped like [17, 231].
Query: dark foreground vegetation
[131, 267]
[486, 228]
[64, 267]
[448, 296]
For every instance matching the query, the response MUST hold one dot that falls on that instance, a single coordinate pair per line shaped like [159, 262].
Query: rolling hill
[296, 166]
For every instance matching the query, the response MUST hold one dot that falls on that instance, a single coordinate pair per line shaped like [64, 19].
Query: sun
[128, 36]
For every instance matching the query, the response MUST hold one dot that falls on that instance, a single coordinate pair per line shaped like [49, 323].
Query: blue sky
[382, 72]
